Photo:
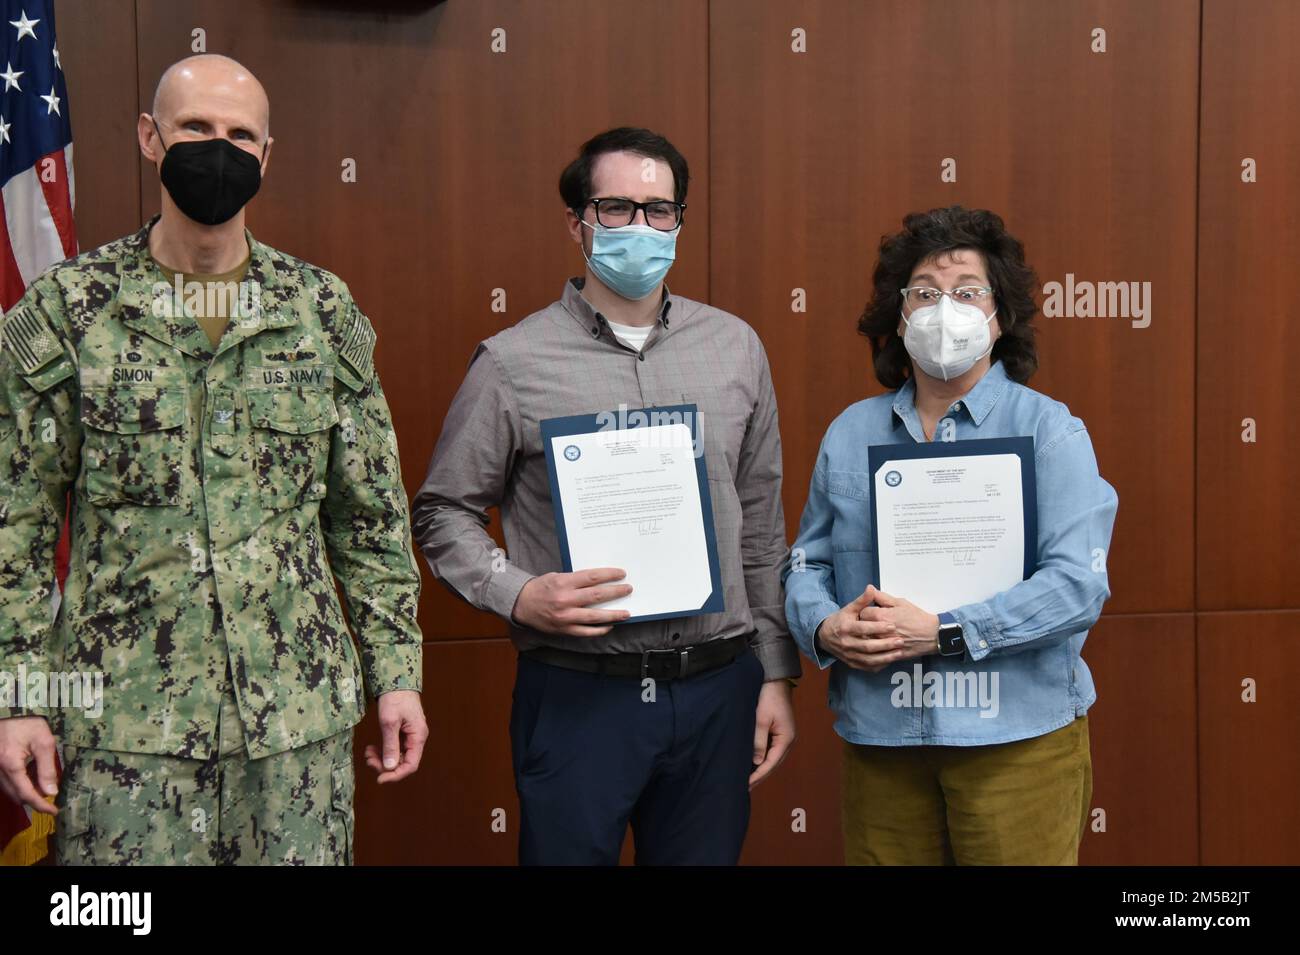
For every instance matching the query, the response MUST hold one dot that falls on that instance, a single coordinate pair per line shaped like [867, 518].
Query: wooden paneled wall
[1123, 165]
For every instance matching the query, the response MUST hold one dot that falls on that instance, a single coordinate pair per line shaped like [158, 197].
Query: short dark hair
[928, 235]
[575, 181]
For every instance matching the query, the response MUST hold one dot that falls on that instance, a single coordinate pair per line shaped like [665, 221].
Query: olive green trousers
[1019, 803]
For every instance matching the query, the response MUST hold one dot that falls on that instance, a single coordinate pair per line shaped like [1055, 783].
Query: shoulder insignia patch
[357, 343]
[27, 335]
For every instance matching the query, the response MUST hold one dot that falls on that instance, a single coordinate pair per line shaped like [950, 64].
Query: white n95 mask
[947, 339]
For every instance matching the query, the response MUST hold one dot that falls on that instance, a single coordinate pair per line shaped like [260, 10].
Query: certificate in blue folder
[953, 522]
[630, 489]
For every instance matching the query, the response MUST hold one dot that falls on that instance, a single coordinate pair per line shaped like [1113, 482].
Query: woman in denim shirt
[986, 761]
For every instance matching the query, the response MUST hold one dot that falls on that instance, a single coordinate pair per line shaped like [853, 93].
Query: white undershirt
[631, 335]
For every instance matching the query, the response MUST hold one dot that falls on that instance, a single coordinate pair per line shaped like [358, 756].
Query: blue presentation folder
[1022, 447]
[589, 423]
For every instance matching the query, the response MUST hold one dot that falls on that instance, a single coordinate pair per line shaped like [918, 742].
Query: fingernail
[390, 763]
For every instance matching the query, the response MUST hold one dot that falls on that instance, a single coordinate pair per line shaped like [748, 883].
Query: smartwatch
[951, 640]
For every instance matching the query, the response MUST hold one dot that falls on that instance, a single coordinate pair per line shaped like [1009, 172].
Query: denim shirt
[1021, 675]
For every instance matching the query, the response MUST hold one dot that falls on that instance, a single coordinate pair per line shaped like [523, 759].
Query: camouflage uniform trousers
[292, 808]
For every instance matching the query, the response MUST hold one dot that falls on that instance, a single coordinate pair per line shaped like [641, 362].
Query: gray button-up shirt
[564, 360]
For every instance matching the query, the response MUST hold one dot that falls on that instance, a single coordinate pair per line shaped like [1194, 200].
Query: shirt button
[983, 644]
[640, 356]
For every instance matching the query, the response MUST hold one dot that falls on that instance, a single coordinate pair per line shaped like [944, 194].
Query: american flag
[36, 172]
[35, 150]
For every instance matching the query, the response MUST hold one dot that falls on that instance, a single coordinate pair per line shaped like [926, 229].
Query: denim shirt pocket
[850, 484]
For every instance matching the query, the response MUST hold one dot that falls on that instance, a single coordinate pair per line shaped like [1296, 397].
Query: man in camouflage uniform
[224, 470]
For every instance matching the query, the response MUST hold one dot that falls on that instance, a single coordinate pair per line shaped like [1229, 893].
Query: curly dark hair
[928, 235]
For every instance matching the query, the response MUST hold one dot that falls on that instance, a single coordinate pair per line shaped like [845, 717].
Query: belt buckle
[682, 655]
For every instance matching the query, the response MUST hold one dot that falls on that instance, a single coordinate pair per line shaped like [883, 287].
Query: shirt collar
[138, 259]
[590, 319]
[979, 401]
[146, 303]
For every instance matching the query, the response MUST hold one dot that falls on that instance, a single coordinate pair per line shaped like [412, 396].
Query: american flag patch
[29, 338]
[358, 345]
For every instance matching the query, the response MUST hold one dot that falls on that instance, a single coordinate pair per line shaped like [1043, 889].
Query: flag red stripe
[58, 197]
[11, 280]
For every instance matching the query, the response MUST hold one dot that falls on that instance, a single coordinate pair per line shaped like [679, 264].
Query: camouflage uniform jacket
[216, 498]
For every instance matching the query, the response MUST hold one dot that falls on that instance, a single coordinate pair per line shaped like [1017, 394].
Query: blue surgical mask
[631, 259]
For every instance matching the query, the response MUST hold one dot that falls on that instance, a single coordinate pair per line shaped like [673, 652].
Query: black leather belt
[674, 664]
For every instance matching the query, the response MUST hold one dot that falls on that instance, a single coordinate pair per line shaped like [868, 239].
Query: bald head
[210, 83]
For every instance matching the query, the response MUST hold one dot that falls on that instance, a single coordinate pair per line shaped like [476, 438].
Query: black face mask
[209, 179]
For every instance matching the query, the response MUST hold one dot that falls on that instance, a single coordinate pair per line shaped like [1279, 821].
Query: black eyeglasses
[661, 214]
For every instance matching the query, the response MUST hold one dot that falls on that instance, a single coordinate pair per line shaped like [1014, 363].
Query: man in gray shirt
[664, 724]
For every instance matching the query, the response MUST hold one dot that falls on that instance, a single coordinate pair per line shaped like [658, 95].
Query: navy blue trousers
[591, 757]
